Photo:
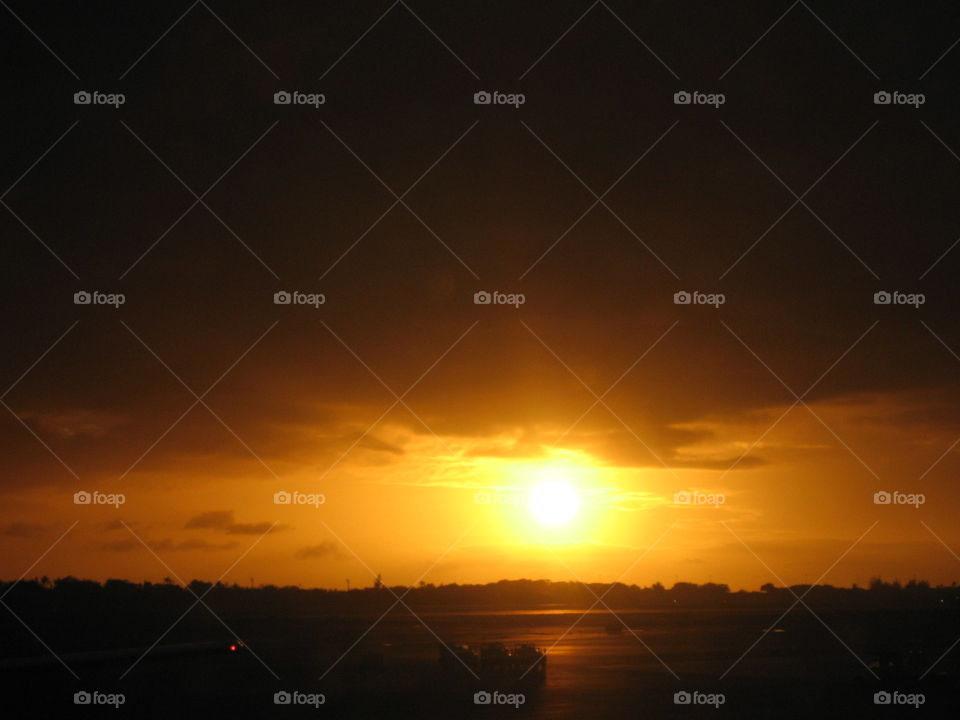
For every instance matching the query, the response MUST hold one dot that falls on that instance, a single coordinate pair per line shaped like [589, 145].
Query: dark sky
[702, 199]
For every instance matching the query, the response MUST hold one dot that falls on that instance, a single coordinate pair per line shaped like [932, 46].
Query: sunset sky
[400, 399]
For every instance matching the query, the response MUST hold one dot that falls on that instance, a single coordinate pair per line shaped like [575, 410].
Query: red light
[233, 648]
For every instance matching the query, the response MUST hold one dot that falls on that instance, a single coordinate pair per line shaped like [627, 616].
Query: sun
[554, 502]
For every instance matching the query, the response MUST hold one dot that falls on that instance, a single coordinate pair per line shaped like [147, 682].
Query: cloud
[22, 530]
[251, 528]
[168, 545]
[324, 549]
[71, 424]
[214, 519]
[223, 520]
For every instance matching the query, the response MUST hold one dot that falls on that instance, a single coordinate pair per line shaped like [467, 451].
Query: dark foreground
[599, 669]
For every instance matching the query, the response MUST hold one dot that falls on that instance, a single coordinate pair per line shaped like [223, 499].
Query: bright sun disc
[554, 502]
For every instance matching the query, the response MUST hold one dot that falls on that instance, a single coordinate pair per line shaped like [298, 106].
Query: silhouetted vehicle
[495, 660]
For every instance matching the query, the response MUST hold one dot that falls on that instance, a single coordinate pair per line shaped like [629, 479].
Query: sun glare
[554, 502]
